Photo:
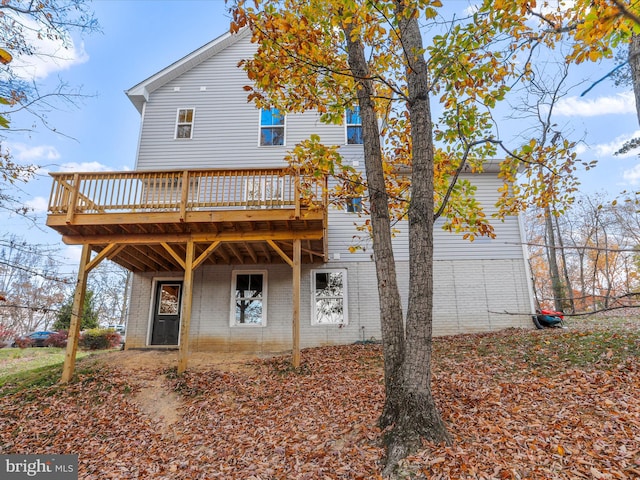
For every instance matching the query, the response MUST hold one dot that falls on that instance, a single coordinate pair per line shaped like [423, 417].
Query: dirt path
[144, 368]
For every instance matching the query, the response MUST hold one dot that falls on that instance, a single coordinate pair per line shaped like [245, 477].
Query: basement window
[329, 301]
[249, 301]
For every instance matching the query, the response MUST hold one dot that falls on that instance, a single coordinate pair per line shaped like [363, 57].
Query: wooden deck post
[297, 192]
[296, 302]
[73, 198]
[76, 316]
[185, 317]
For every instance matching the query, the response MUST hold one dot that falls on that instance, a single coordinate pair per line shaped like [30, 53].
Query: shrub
[58, 339]
[99, 339]
[23, 342]
[5, 334]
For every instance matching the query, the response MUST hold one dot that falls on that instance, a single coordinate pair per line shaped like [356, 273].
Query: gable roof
[139, 93]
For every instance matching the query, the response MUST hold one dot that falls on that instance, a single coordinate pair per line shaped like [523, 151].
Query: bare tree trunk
[125, 298]
[390, 306]
[634, 63]
[554, 272]
[594, 277]
[565, 270]
[583, 280]
[607, 269]
[534, 284]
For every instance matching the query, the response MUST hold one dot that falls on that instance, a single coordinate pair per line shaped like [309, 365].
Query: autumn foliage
[99, 339]
[521, 404]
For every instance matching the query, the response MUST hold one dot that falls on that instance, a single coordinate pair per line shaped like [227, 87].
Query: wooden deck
[143, 220]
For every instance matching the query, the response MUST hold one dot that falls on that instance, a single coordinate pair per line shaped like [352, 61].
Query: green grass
[583, 344]
[584, 348]
[15, 360]
[22, 369]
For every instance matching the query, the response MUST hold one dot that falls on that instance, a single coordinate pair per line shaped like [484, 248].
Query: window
[354, 126]
[329, 297]
[184, 123]
[354, 205]
[249, 298]
[271, 127]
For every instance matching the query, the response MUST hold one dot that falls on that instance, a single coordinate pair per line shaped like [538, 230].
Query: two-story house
[224, 253]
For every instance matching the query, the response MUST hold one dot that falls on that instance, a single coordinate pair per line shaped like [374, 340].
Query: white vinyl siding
[447, 246]
[227, 125]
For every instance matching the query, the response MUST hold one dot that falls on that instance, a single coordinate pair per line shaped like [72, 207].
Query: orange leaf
[5, 57]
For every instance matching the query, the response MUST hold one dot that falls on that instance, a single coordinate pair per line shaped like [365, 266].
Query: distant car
[121, 330]
[38, 338]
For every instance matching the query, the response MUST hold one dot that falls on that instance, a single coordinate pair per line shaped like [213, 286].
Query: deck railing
[186, 190]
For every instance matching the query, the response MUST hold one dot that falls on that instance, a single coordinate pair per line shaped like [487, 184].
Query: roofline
[139, 94]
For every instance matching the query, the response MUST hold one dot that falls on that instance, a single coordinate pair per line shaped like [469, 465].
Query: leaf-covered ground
[553, 404]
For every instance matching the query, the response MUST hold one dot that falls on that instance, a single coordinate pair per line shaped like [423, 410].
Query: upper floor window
[184, 123]
[329, 297]
[271, 127]
[354, 126]
[354, 205]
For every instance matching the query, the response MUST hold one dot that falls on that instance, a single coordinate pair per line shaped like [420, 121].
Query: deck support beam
[76, 316]
[295, 328]
[295, 264]
[185, 317]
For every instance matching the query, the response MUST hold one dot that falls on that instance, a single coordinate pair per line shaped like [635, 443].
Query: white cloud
[552, 7]
[471, 9]
[620, 103]
[50, 54]
[83, 167]
[33, 154]
[38, 204]
[632, 176]
[608, 149]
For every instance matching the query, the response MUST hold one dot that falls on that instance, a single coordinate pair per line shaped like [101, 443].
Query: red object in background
[553, 313]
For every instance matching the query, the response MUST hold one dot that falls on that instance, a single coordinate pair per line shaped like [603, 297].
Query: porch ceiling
[244, 237]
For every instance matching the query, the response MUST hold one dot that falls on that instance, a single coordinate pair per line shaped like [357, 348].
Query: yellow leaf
[561, 450]
[5, 57]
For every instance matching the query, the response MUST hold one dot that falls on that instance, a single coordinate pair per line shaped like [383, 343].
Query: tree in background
[24, 25]
[601, 243]
[109, 283]
[89, 317]
[31, 287]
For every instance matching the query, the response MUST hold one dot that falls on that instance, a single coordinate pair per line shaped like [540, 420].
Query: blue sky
[141, 37]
